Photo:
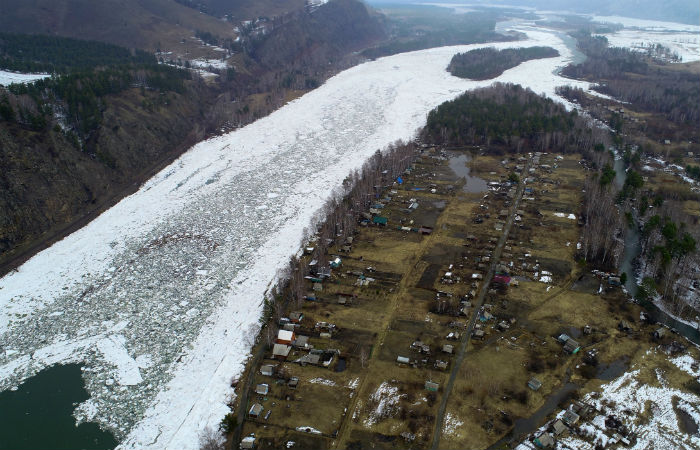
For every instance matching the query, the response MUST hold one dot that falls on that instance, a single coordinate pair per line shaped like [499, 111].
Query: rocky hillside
[76, 145]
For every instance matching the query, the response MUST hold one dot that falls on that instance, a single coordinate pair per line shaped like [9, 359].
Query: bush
[228, 423]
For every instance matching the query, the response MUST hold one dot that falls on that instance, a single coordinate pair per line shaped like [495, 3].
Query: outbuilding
[267, 369]
[248, 442]
[432, 386]
[534, 384]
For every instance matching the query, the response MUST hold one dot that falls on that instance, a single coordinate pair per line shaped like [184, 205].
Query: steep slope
[304, 37]
[146, 24]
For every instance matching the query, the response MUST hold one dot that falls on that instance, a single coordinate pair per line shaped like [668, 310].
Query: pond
[39, 414]
[458, 164]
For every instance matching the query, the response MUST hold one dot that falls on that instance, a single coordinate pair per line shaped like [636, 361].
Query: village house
[570, 417]
[255, 411]
[285, 337]
[262, 389]
[544, 441]
[559, 427]
[281, 351]
[301, 342]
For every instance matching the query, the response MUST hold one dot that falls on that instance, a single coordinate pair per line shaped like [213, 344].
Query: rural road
[440, 418]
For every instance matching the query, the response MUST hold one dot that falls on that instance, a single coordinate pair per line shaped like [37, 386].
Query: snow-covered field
[647, 408]
[682, 39]
[684, 44]
[7, 78]
[159, 297]
[638, 34]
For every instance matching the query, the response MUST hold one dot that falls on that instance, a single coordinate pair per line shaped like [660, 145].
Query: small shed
[255, 411]
[267, 369]
[402, 360]
[262, 389]
[379, 220]
[248, 442]
[293, 383]
[442, 365]
[432, 386]
[534, 384]
[285, 337]
[478, 334]
[448, 348]
[572, 346]
[281, 351]
[296, 316]
[660, 333]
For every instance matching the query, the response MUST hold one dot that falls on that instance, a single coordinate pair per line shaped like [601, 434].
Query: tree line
[60, 55]
[485, 63]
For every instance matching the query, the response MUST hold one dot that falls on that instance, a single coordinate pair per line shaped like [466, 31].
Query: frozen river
[158, 297]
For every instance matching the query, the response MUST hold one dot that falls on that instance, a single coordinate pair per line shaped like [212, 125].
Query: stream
[627, 265]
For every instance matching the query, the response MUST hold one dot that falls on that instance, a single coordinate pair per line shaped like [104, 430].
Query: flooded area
[527, 425]
[608, 372]
[458, 164]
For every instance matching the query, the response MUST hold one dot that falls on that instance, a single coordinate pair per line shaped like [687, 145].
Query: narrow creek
[627, 265]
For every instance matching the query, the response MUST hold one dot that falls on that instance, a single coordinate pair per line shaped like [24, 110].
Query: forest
[60, 55]
[641, 79]
[80, 96]
[485, 63]
[508, 117]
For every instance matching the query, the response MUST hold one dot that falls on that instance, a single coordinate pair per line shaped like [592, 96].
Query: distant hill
[239, 10]
[681, 11]
[145, 24]
[340, 26]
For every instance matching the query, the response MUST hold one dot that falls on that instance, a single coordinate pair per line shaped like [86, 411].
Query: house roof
[256, 409]
[570, 417]
[559, 427]
[301, 341]
[280, 350]
[285, 335]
